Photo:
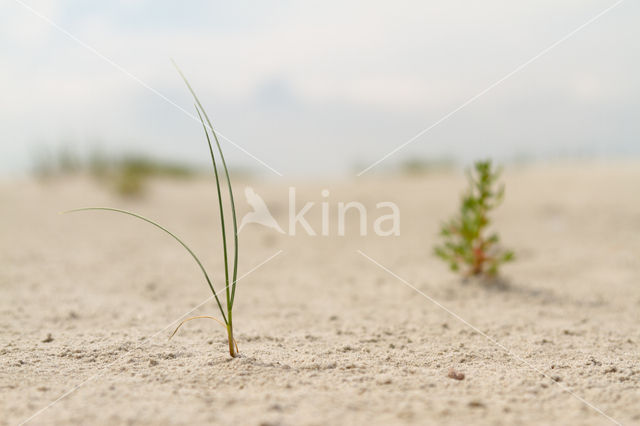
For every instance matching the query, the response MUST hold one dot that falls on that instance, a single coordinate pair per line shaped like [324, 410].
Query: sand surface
[327, 336]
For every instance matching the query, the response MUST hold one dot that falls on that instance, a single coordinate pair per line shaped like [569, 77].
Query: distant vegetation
[127, 175]
[465, 241]
[414, 166]
[417, 166]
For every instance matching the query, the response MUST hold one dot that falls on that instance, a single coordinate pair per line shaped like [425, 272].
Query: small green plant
[465, 241]
[230, 276]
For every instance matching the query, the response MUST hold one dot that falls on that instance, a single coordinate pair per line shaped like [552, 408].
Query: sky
[320, 87]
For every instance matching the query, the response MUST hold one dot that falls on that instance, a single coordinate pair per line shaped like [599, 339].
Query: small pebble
[453, 374]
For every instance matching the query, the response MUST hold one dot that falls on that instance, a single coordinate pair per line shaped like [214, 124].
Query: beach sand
[327, 336]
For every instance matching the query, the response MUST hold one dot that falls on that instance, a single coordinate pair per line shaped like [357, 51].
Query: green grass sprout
[465, 242]
[230, 277]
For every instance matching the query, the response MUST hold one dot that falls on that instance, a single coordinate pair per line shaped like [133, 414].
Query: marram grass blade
[206, 275]
[230, 287]
[226, 171]
[223, 227]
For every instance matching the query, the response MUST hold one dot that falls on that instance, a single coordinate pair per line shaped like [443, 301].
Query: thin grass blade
[224, 228]
[226, 171]
[206, 275]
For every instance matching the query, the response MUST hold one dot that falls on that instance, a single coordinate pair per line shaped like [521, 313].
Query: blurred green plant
[131, 173]
[465, 243]
[68, 161]
[127, 175]
[419, 166]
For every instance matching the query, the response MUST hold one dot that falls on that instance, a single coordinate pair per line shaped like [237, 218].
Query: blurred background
[316, 88]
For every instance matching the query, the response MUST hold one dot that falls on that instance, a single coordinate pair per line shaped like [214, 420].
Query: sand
[326, 335]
